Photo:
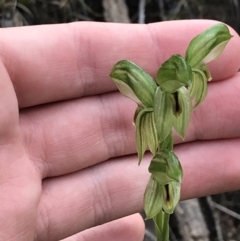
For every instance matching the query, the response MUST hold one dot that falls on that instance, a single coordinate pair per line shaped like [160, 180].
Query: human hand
[67, 148]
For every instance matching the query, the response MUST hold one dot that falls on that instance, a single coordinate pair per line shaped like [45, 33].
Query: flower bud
[134, 83]
[171, 196]
[173, 74]
[153, 198]
[182, 109]
[162, 114]
[165, 167]
[141, 132]
[198, 87]
[208, 45]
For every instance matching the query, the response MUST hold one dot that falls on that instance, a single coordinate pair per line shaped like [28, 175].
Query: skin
[68, 156]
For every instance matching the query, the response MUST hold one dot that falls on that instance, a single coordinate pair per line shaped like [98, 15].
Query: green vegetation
[164, 105]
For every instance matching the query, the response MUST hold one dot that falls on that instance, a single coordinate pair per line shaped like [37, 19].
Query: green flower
[165, 167]
[134, 83]
[208, 45]
[181, 85]
[173, 74]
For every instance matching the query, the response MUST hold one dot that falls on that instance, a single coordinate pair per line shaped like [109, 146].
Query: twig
[9, 17]
[172, 235]
[192, 226]
[25, 9]
[177, 9]
[88, 9]
[216, 219]
[236, 10]
[186, 5]
[63, 3]
[181, 3]
[141, 11]
[115, 11]
[83, 17]
[149, 236]
[161, 10]
[225, 210]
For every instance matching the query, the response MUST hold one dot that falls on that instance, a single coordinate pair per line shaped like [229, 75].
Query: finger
[115, 188]
[183, 28]
[129, 228]
[80, 133]
[218, 116]
[19, 189]
[93, 197]
[74, 62]
[210, 167]
[8, 106]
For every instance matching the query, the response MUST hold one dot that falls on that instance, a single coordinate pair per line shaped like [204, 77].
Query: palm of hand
[54, 177]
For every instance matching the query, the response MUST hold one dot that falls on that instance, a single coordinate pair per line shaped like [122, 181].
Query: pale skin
[65, 163]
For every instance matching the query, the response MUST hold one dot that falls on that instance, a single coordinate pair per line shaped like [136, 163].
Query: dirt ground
[31, 12]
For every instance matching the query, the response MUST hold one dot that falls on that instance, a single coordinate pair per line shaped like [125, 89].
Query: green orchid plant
[164, 105]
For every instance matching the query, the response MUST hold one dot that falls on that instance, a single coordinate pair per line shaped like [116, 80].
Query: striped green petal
[162, 114]
[153, 198]
[171, 196]
[134, 82]
[165, 168]
[208, 45]
[198, 87]
[173, 74]
[182, 109]
[141, 132]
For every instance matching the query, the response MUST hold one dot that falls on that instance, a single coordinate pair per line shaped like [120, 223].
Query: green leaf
[208, 45]
[153, 199]
[171, 196]
[206, 72]
[198, 87]
[146, 134]
[174, 168]
[141, 138]
[165, 167]
[161, 222]
[173, 74]
[134, 83]
[182, 110]
[158, 168]
[139, 108]
[151, 133]
[162, 114]
[167, 143]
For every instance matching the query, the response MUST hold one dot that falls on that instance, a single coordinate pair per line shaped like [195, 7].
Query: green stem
[165, 227]
[161, 225]
[167, 143]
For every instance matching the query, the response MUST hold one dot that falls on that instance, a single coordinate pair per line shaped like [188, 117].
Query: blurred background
[213, 218]
[31, 12]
